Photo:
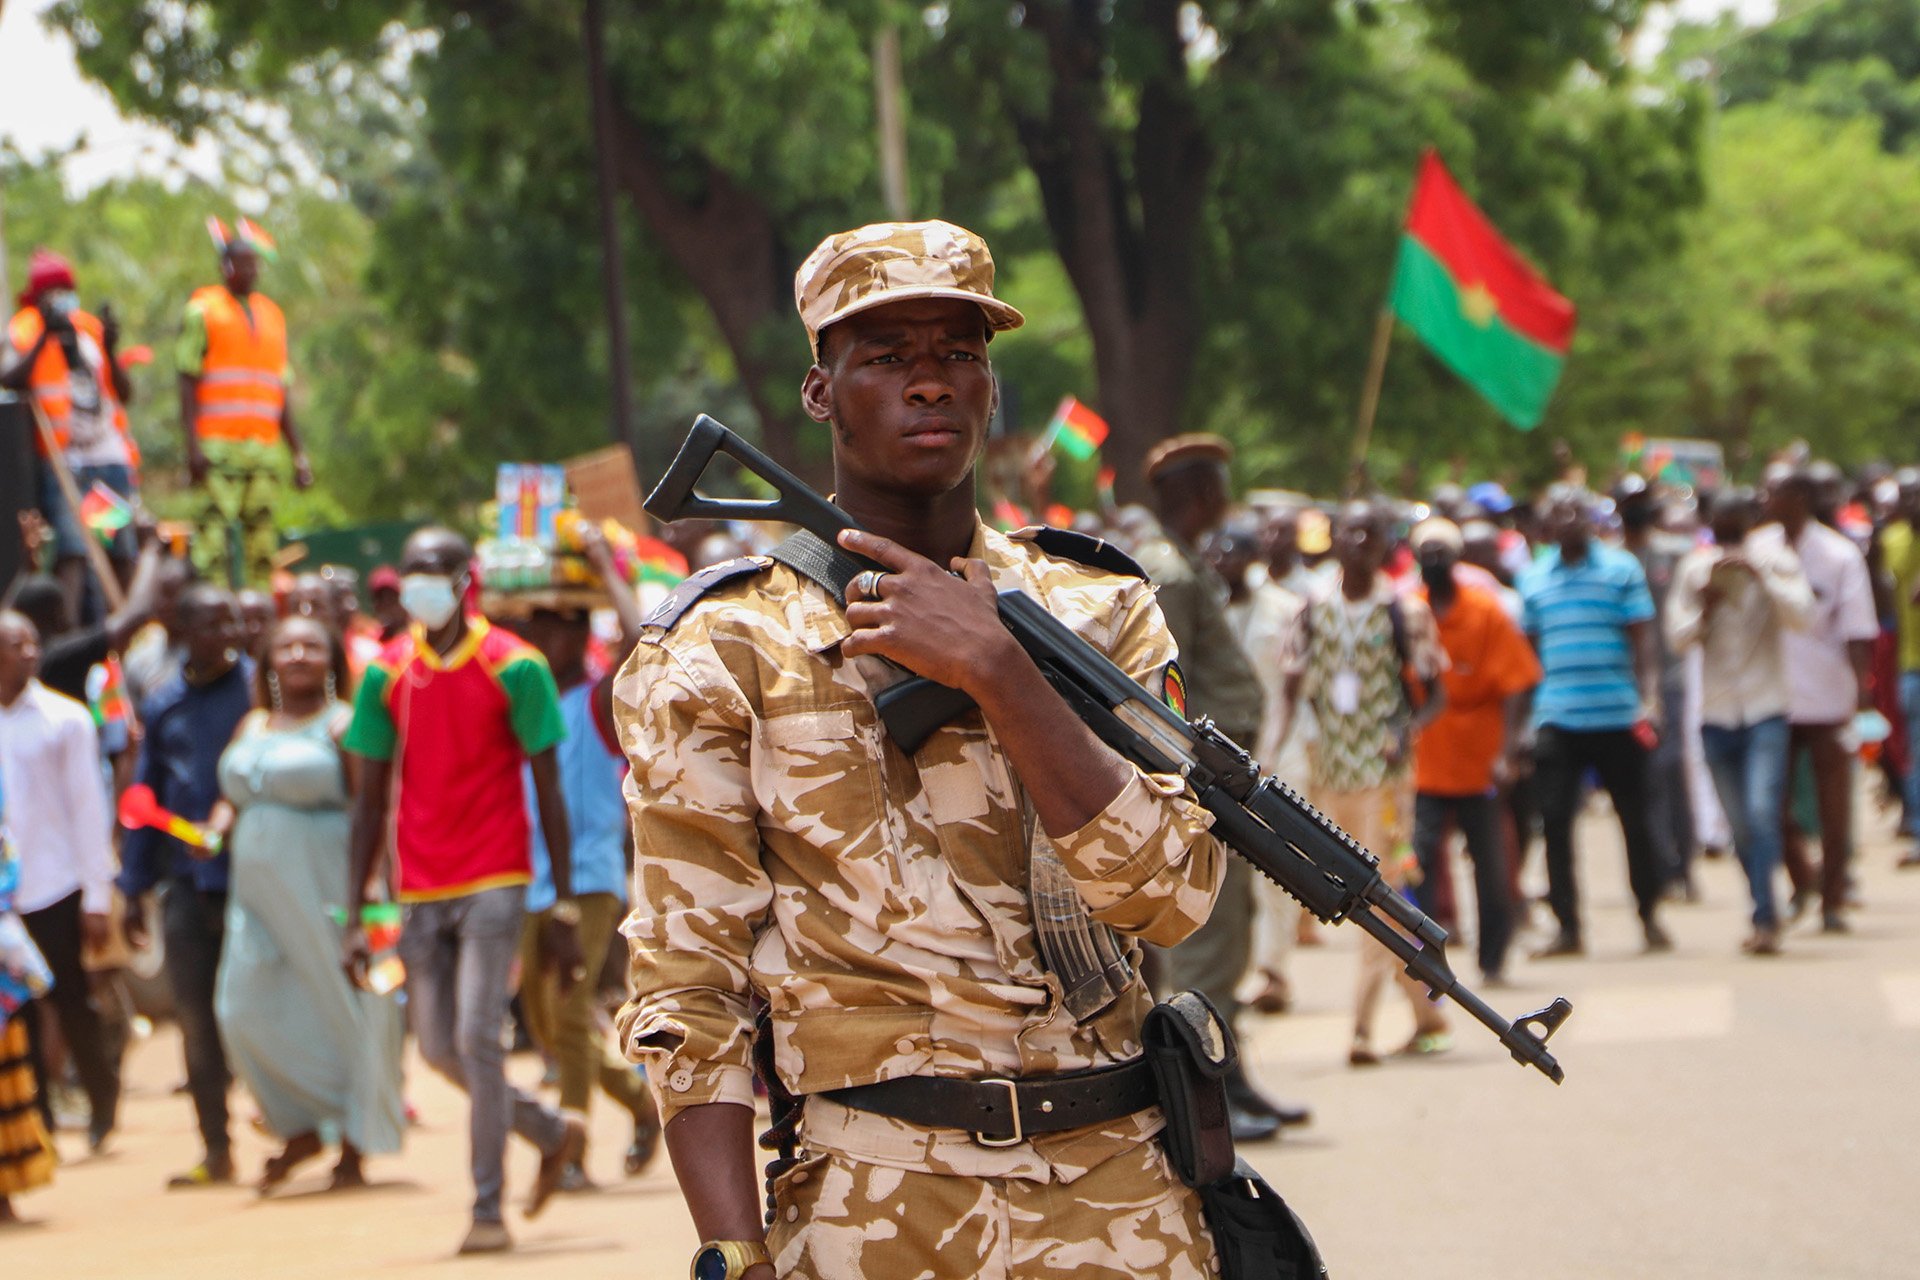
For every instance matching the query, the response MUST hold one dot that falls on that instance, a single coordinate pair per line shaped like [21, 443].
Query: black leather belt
[1000, 1111]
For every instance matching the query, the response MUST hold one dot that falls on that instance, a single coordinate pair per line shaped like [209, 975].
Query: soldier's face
[909, 392]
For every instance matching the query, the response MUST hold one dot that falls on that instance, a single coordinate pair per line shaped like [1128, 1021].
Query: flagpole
[1370, 394]
[95, 553]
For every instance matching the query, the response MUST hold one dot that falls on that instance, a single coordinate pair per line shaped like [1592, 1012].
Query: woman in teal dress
[321, 1056]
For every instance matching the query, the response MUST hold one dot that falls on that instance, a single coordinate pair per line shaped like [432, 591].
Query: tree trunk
[727, 244]
[1126, 232]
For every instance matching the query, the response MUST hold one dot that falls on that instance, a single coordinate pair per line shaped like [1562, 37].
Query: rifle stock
[1261, 820]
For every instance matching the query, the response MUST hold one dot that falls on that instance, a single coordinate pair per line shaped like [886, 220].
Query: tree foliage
[1195, 203]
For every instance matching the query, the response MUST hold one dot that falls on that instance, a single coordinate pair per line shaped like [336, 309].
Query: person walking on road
[443, 724]
[320, 1056]
[1588, 611]
[1900, 548]
[189, 721]
[591, 768]
[1365, 659]
[1735, 601]
[1470, 748]
[1827, 661]
[57, 802]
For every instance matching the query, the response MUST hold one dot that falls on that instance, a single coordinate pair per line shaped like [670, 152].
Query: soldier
[1188, 476]
[895, 912]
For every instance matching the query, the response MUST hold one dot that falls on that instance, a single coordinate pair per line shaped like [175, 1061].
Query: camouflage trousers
[234, 531]
[839, 1218]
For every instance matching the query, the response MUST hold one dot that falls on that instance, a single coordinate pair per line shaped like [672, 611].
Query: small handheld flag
[107, 694]
[104, 512]
[1075, 430]
[139, 807]
[380, 921]
[658, 562]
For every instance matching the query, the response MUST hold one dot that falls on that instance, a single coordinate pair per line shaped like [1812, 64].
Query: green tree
[1839, 58]
[1215, 183]
[1787, 316]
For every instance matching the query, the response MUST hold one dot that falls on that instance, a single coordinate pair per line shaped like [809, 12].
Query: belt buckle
[1013, 1101]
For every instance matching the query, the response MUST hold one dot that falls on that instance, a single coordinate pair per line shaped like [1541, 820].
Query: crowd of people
[285, 737]
[1721, 664]
[295, 764]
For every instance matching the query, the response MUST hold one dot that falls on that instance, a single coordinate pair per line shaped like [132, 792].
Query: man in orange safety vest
[66, 361]
[235, 411]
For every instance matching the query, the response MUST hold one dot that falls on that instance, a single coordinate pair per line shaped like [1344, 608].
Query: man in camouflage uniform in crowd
[885, 905]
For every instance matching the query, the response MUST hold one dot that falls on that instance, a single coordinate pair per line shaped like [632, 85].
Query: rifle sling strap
[819, 562]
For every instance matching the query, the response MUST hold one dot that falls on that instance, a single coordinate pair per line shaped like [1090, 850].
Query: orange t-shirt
[1489, 660]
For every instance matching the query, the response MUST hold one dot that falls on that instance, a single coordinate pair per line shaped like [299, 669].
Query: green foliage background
[1739, 223]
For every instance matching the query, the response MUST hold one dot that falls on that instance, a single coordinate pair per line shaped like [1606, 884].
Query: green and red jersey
[459, 728]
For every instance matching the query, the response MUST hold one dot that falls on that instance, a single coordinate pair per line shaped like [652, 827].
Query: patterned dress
[26, 1155]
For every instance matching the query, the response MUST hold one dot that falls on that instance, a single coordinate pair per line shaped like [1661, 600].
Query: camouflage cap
[892, 262]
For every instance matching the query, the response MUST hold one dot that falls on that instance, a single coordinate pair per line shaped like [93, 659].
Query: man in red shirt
[445, 720]
[1469, 746]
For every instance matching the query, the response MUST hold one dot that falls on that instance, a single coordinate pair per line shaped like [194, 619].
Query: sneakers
[1657, 939]
[1834, 922]
[1764, 942]
[486, 1237]
[214, 1171]
[553, 1166]
[1563, 946]
[1427, 1044]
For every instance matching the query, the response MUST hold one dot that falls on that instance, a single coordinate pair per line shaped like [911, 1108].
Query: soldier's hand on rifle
[302, 472]
[931, 622]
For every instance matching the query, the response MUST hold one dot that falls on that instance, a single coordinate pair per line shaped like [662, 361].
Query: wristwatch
[567, 912]
[728, 1259]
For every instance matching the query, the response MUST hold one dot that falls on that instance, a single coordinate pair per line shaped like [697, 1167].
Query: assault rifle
[1260, 819]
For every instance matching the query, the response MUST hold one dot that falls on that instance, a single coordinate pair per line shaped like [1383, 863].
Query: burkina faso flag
[1476, 303]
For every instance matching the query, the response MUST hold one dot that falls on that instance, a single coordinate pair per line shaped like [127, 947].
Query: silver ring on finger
[867, 584]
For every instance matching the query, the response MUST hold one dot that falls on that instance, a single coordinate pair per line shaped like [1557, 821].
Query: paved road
[1722, 1117]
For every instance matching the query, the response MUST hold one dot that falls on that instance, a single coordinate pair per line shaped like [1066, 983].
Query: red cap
[46, 270]
[383, 578]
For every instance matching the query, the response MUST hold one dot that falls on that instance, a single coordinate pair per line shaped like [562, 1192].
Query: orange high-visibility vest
[51, 381]
[243, 388]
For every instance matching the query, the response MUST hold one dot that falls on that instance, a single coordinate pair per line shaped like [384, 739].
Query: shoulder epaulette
[1081, 548]
[682, 598]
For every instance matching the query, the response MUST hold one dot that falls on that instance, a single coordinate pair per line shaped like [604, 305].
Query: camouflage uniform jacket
[786, 847]
[1221, 682]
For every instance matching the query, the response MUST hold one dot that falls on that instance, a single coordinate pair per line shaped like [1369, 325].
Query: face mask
[60, 302]
[429, 599]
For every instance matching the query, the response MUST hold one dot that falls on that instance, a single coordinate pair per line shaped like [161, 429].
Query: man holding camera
[66, 362]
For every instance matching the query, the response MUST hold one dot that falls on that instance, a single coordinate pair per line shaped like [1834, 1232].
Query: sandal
[298, 1151]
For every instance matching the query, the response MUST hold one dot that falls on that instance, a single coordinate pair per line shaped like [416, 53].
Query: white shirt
[1820, 685]
[1743, 671]
[56, 798]
[1264, 624]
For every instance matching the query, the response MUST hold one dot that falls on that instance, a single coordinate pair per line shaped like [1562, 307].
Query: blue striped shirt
[1578, 617]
